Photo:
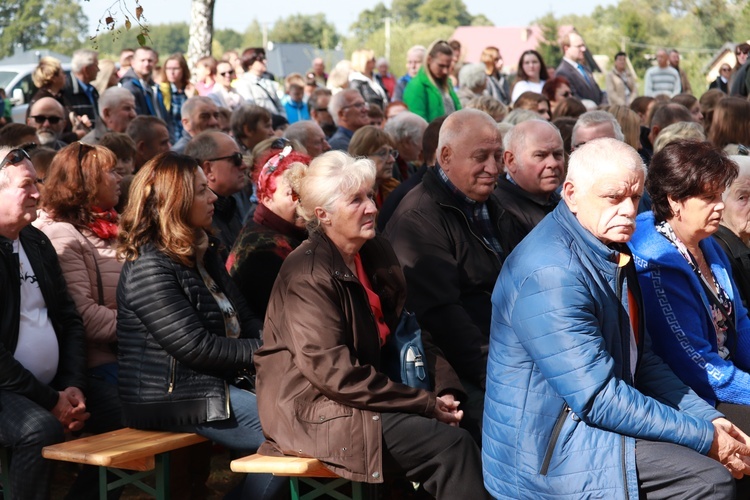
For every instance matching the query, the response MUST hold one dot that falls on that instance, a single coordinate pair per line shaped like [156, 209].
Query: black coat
[61, 310]
[523, 212]
[78, 102]
[739, 256]
[175, 359]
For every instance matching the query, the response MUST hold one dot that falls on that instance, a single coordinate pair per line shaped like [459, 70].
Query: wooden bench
[302, 470]
[146, 452]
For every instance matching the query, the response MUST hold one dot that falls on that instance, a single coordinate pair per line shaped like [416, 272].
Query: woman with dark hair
[692, 104]
[430, 93]
[555, 90]
[534, 102]
[690, 299]
[708, 102]
[570, 107]
[272, 233]
[730, 126]
[377, 145]
[186, 335]
[321, 389]
[176, 88]
[531, 74]
[253, 85]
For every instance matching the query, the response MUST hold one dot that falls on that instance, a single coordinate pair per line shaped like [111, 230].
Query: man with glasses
[572, 67]
[225, 170]
[47, 116]
[223, 94]
[349, 111]
[199, 113]
[42, 358]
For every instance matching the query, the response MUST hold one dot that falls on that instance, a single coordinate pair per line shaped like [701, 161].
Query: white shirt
[37, 349]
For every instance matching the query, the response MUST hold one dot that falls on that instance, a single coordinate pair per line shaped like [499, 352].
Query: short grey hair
[472, 76]
[113, 97]
[455, 124]
[515, 138]
[338, 101]
[520, 115]
[189, 106]
[594, 118]
[83, 58]
[417, 48]
[589, 162]
[300, 130]
[406, 125]
[328, 178]
[204, 145]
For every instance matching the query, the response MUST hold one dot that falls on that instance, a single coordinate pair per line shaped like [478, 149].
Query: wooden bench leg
[160, 472]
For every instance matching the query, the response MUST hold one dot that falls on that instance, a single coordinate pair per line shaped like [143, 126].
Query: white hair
[81, 59]
[743, 164]
[338, 101]
[596, 118]
[472, 76]
[596, 158]
[406, 125]
[113, 97]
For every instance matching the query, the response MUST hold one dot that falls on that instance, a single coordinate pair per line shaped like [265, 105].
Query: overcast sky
[237, 14]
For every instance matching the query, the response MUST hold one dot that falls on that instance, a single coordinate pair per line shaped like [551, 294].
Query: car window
[6, 77]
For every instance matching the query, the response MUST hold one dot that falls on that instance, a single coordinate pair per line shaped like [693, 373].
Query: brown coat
[320, 393]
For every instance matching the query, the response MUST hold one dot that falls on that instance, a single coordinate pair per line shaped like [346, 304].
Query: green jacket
[424, 98]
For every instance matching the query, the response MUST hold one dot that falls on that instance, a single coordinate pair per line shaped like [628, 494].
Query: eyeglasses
[227, 73]
[358, 105]
[235, 157]
[384, 154]
[14, 157]
[40, 119]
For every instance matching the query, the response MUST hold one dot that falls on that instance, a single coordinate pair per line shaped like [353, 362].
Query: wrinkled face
[225, 177]
[531, 66]
[90, 71]
[173, 70]
[108, 193]
[414, 62]
[282, 204]
[143, 63]
[19, 194]
[698, 215]
[352, 220]
[736, 214]
[474, 160]
[316, 143]
[620, 63]
[439, 66]
[384, 158]
[354, 113]
[119, 117]
[537, 165]
[205, 116]
[202, 210]
[607, 208]
[576, 49]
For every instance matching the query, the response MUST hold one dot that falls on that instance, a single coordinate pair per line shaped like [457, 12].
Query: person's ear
[569, 195]
[208, 170]
[675, 206]
[509, 159]
[322, 215]
[446, 154]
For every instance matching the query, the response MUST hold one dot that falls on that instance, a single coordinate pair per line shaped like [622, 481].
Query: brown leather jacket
[319, 390]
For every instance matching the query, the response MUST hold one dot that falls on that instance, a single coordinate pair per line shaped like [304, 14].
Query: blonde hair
[161, 196]
[677, 132]
[630, 123]
[328, 178]
[368, 140]
[360, 58]
[46, 70]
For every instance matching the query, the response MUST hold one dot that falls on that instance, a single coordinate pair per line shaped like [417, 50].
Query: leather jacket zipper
[172, 370]
[553, 438]
[466, 219]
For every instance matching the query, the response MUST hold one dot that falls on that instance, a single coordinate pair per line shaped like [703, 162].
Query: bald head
[47, 116]
[535, 157]
[470, 152]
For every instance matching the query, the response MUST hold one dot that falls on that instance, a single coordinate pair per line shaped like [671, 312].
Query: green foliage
[302, 28]
[445, 13]
[40, 23]
[253, 36]
[549, 48]
[228, 39]
[370, 21]
[405, 12]
[481, 20]
[166, 39]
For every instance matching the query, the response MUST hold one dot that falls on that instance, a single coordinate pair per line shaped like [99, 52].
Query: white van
[16, 80]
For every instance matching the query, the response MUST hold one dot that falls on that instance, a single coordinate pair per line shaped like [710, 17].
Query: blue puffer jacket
[678, 308]
[561, 408]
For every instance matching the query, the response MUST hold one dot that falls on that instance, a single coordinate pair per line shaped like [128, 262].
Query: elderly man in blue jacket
[577, 405]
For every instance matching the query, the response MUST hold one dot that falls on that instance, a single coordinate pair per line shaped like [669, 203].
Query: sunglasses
[235, 157]
[39, 119]
[14, 157]
[227, 73]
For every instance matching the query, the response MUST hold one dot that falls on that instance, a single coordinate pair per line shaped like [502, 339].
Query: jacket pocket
[324, 428]
[564, 412]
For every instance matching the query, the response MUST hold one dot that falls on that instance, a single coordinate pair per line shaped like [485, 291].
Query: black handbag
[403, 356]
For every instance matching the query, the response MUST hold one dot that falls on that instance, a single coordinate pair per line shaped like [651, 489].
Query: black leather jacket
[60, 309]
[175, 359]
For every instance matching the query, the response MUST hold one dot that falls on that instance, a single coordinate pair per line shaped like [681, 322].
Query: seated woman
[698, 323]
[377, 145]
[734, 233]
[272, 233]
[534, 102]
[320, 392]
[186, 336]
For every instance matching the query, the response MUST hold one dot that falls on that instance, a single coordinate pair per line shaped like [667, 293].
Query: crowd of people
[227, 253]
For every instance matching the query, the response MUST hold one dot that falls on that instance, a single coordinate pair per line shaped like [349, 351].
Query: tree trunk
[201, 31]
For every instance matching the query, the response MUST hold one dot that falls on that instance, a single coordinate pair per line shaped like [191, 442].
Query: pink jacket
[79, 256]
